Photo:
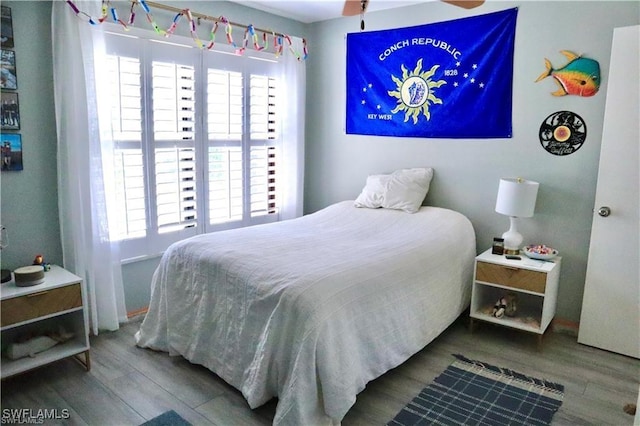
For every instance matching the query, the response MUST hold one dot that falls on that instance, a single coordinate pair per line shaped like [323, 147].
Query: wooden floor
[128, 385]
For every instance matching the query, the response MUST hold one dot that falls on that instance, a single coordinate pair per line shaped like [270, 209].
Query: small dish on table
[540, 252]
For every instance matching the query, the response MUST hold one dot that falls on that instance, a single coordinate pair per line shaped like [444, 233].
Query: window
[196, 137]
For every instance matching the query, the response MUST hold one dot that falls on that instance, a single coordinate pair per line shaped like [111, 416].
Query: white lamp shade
[517, 197]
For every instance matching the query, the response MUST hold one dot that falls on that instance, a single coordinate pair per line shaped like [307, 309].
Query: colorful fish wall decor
[580, 76]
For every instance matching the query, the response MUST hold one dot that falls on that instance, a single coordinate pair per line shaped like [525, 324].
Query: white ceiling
[308, 11]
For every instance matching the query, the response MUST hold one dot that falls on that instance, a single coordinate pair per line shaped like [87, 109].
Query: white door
[610, 316]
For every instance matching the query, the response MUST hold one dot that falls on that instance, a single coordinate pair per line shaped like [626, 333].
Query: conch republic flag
[449, 79]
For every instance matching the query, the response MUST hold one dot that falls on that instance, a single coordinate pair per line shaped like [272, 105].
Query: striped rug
[169, 418]
[471, 392]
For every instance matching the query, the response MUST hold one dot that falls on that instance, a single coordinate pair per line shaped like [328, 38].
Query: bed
[309, 310]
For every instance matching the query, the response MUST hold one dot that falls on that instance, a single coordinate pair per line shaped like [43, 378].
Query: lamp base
[512, 238]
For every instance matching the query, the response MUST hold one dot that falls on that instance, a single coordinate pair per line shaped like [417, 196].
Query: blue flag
[445, 80]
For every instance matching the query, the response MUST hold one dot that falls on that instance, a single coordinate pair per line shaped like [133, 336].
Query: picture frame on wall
[10, 114]
[8, 75]
[11, 147]
[6, 28]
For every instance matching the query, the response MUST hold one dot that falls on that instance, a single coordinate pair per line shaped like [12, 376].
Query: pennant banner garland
[445, 80]
[249, 33]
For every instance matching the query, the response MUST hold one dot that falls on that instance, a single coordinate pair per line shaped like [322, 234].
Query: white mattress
[311, 309]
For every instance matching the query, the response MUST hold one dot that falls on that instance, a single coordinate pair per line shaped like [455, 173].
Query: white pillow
[401, 190]
[372, 194]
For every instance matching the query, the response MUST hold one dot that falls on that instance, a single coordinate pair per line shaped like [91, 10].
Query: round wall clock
[563, 133]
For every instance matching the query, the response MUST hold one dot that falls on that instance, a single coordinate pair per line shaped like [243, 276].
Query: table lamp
[516, 199]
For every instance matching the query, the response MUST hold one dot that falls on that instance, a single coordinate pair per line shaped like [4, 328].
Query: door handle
[604, 211]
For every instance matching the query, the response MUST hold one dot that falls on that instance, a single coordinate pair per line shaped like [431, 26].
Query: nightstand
[534, 283]
[31, 311]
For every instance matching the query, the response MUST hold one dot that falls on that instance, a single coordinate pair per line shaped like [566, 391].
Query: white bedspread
[311, 309]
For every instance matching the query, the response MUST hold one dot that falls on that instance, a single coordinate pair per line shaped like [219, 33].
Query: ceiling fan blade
[467, 4]
[354, 7]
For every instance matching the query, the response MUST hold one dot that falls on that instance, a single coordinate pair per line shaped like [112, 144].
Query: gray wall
[467, 172]
[29, 198]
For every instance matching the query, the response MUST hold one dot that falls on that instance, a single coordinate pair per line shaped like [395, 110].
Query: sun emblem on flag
[415, 92]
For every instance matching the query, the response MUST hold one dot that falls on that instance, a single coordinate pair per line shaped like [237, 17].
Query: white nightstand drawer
[41, 303]
[511, 277]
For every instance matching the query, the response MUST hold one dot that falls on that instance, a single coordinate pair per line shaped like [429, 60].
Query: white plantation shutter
[175, 189]
[264, 133]
[225, 184]
[125, 87]
[173, 101]
[173, 94]
[130, 189]
[263, 107]
[225, 124]
[263, 181]
[225, 106]
[242, 128]
[197, 140]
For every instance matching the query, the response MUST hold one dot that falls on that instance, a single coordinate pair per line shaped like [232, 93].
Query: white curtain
[294, 76]
[87, 250]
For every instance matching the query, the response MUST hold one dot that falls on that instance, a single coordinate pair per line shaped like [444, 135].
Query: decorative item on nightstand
[516, 199]
[29, 275]
[540, 252]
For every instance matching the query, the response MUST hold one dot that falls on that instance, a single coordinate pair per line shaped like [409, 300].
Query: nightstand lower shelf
[56, 353]
[508, 323]
[524, 324]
